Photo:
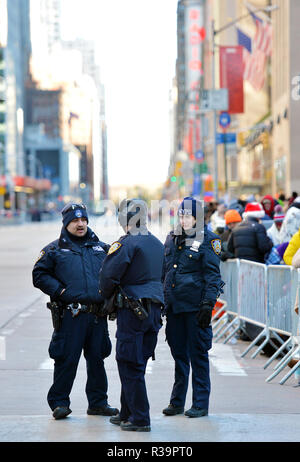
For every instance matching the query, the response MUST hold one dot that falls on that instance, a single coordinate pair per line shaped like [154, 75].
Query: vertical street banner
[231, 76]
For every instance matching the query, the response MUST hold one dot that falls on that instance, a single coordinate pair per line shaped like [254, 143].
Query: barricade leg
[291, 371]
[262, 345]
[227, 327]
[223, 326]
[253, 343]
[277, 352]
[234, 331]
[279, 369]
[223, 318]
[288, 354]
[274, 334]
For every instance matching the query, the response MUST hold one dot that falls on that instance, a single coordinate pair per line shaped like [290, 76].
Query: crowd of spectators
[260, 229]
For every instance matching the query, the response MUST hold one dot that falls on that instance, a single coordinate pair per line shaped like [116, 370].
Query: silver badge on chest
[195, 246]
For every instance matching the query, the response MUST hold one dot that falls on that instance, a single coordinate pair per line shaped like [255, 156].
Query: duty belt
[77, 308]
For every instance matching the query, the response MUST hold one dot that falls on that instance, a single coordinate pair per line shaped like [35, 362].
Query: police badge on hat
[216, 245]
[78, 213]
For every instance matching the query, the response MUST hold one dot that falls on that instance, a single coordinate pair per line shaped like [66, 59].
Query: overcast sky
[136, 48]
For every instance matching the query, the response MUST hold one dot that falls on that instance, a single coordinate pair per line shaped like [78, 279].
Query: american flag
[255, 52]
[263, 36]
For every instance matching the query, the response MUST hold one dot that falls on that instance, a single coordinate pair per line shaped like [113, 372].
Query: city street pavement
[243, 407]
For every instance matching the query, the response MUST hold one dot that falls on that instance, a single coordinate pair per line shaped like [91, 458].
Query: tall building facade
[262, 157]
[46, 16]
[185, 170]
[15, 73]
[285, 85]
[67, 70]
[90, 67]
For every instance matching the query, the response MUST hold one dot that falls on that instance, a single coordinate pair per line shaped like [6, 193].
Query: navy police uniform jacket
[65, 264]
[135, 262]
[191, 276]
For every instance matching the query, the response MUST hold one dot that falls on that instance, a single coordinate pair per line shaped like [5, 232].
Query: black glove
[204, 315]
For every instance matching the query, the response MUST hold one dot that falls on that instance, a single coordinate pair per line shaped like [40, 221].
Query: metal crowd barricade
[284, 284]
[265, 296]
[246, 295]
[229, 273]
[252, 300]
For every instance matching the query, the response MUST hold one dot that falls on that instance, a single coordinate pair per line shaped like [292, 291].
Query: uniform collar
[142, 230]
[66, 242]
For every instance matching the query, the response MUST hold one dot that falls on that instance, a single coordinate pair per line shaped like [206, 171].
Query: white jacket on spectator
[274, 233]
[291, 223]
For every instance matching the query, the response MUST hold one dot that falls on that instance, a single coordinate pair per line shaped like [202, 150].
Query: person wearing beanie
[192, 285]
[274, 231]
[232, 219]
[67, 270]
[249, 241]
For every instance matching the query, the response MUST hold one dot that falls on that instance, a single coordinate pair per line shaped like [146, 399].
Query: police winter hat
[72, 211]
[191, 206]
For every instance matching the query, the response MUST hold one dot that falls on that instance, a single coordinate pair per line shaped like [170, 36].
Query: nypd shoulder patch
[216, 245]
[41, 254]
[114, 247]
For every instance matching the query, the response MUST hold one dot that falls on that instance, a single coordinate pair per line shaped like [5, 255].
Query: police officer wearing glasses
[192, 284]
[134, 263]
[67, 270]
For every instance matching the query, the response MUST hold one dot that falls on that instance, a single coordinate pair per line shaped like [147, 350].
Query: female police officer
[192, 284]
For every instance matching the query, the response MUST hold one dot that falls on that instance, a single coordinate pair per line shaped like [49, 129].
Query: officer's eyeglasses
[182, 212]
[69, 207]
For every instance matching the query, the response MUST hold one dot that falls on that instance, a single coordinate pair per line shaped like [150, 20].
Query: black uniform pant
[136, 342]
[84, 333]
[189, 346]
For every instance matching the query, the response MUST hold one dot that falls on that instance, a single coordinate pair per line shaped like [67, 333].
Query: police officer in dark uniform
[67, 270]
[135, 264]
[192, 284]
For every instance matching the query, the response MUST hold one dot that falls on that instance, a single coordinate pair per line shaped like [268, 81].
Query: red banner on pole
[231, 77]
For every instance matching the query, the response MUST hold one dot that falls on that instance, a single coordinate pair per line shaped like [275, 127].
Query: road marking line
[48, 364]
[223, 359]
[149, 367]
[2, 349]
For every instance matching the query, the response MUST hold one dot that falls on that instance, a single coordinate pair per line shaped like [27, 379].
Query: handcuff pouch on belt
[121, 300]
[76, 308]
